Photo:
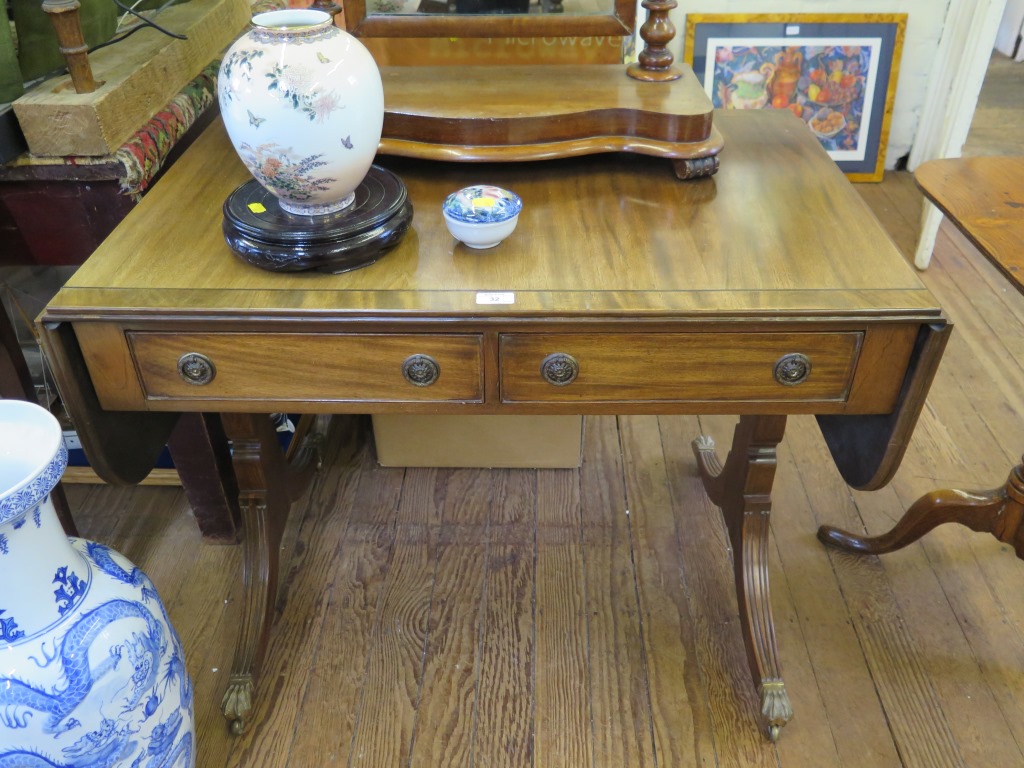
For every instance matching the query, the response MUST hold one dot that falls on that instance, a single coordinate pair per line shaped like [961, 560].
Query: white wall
[925, 20]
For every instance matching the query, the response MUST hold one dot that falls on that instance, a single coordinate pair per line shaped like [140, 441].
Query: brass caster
[774, 731]
[237, 702]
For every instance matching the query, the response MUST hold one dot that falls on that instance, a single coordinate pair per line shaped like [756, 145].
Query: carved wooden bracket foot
[696, 167]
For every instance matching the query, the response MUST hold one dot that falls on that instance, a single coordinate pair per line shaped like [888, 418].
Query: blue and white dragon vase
[91, 672]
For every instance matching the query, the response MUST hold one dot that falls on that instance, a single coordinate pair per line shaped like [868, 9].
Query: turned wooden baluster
[742, 489]
[655, 60]
[327, 6]
[68, 26]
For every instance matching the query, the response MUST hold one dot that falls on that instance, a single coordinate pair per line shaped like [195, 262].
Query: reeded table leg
[743, 491]
[263, 494]
[998, 512]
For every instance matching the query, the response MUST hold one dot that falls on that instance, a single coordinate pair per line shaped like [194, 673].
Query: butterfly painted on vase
[254, 121]
[347, 142]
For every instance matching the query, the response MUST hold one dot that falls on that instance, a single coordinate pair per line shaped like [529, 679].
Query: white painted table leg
[931, 218]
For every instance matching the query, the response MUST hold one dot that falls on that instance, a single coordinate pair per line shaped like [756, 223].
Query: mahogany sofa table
[766, 290]
[984, 198]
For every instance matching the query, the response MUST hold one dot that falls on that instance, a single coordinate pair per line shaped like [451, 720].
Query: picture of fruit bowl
[836, 91]
[827, 123]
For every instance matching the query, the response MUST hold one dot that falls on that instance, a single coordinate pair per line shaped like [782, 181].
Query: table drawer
[673, 367]
[317, 367]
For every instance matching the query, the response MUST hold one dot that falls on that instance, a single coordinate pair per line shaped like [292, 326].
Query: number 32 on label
[506, 297]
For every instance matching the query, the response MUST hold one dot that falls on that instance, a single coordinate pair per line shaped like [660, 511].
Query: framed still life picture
[836, 72]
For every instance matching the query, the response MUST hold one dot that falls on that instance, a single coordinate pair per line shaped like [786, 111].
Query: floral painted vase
[303, 104]
[91, 671]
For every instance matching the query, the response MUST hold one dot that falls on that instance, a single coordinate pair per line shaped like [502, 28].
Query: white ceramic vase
[91, 671]
[303, 104]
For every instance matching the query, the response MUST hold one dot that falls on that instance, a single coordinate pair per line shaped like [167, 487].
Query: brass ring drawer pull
[559, 369]
[792, 369]
[421, 370]
[196, 368]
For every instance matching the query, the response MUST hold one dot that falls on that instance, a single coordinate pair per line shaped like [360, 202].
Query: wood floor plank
[977, 722]
[996, 122]
[731, 699]
[204, 609]
[965, 565]
[722, 657]
[681, 731]
[809, 737]
[978, 420]
[444, 724]
[924, 606]
[957, 251]
[212, 605]
[988, 419]
[890, 204]
[623, 730]
[563, 718]
[827, 593]
[390, 693]
[503, 716]
[995, 333]
[317, 656]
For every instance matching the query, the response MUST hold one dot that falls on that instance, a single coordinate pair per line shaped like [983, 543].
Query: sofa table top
[778, 232]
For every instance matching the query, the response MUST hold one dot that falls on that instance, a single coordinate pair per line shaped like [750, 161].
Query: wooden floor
[587, 617]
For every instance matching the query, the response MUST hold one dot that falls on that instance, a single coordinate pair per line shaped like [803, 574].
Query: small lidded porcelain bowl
[481, 216]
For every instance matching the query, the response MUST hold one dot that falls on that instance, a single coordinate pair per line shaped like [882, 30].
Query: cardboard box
[478, 441]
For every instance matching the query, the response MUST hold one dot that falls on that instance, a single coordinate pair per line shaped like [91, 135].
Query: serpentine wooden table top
[779, 232]
[984, 198]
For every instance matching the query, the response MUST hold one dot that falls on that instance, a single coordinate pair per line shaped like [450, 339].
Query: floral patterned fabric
[144, 153]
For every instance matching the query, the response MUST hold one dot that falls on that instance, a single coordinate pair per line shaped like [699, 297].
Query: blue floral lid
[482, 205]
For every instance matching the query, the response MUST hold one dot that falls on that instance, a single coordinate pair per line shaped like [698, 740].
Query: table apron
[790, 369]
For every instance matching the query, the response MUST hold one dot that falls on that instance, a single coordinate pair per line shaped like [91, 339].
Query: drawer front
[313, 367]
[674, 367]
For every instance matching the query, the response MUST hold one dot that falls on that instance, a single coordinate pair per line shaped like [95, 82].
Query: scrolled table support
[999, 512]
[742, 489]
